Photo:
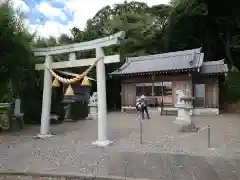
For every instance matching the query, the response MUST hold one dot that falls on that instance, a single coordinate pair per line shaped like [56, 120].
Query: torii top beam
[72, 48]
[102, 42]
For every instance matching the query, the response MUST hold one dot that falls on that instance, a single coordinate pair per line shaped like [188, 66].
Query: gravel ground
[71, 151]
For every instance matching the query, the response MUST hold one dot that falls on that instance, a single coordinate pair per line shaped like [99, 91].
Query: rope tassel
[55, 83]
[85, 81]
[69, 91]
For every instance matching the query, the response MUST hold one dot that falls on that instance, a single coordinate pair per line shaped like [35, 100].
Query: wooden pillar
[217, 93]
[153, 80]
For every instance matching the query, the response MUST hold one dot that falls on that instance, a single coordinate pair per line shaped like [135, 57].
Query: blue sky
[54, 17]
[37, 11]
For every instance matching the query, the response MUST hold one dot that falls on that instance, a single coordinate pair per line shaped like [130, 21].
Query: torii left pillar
[47, 98]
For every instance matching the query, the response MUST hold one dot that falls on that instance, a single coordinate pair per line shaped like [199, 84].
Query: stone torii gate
[98, 45]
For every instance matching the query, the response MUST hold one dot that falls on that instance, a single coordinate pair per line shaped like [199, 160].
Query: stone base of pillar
[43, 136]
[183, 120]
[185, 125]
[102, 143]
[188, 128]
[93, 112]
[91, 117]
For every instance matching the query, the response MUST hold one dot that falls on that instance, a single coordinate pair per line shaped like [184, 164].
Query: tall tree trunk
[228, 53]
[228, 50]
[208, 46]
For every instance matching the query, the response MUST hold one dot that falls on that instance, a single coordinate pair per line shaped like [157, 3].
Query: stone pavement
[166, 154]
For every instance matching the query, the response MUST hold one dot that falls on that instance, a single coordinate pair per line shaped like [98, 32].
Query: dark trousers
[144, 109]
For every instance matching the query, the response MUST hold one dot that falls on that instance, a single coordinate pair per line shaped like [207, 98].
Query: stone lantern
[184, 105]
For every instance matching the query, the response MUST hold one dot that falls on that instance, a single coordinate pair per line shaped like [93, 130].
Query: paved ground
[165, 154]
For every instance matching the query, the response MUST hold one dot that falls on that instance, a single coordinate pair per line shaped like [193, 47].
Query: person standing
[144, 107]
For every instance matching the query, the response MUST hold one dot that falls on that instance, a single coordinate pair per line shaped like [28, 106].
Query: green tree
[15, 55]
[194, 23]
[18, 76]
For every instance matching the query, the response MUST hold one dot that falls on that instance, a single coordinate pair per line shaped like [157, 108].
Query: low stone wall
[231, 107]
[48, 176]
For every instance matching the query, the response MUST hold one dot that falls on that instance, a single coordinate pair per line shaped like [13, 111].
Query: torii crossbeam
[98, 45]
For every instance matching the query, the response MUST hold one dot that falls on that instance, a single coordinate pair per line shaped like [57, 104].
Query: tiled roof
[173, 61]
[214, 67]
[181, 60]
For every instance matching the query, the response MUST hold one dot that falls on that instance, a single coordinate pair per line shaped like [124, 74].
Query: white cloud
[81, 10]
[20, 4]
[50, 11]
[50, 28]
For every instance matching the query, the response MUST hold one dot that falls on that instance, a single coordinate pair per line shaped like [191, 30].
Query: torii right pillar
[102, 101]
